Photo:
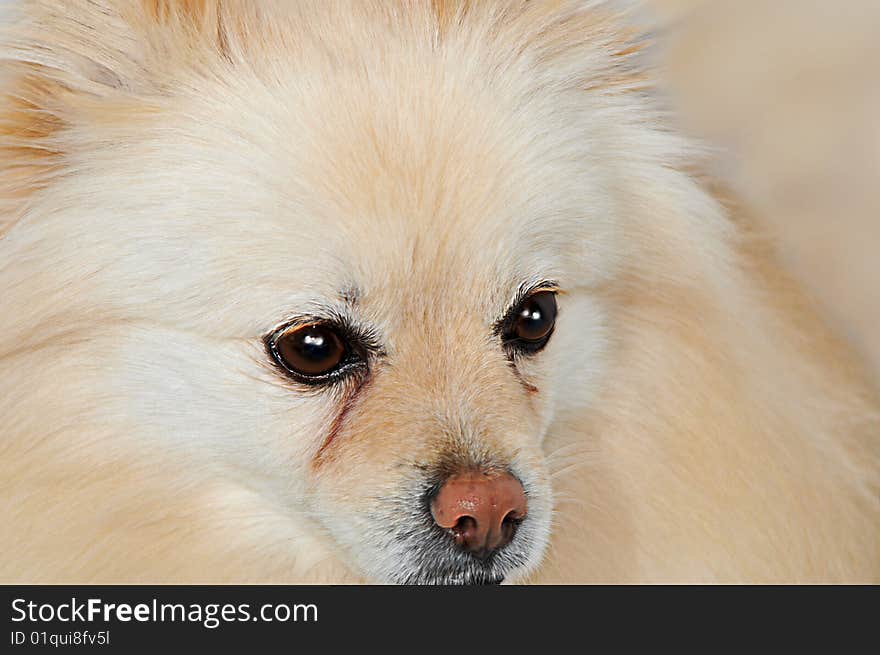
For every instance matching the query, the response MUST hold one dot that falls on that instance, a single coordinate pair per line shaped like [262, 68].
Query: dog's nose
[481, 510]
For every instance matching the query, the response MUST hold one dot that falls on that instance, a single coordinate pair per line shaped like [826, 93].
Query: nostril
[508, 527]
[464, 530]
[514, 516]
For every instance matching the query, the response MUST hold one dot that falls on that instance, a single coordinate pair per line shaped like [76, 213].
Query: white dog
[417, 292]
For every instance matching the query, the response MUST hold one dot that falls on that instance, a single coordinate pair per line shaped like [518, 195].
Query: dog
[424, 292]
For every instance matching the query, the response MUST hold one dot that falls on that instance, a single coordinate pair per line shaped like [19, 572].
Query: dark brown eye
[532, 322]
[310, 351]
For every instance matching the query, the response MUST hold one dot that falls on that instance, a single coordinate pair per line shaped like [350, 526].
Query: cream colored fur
[177, 180]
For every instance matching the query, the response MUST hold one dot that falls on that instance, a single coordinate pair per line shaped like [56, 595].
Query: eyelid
[526, 291]
[284, 330]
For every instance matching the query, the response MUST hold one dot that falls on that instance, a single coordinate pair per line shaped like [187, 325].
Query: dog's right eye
[311, 353]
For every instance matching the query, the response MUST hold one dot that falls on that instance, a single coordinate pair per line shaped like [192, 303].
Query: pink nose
[481, 510]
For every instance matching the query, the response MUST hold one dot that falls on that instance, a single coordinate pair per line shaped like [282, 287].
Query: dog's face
[401, 308]
[365, 286]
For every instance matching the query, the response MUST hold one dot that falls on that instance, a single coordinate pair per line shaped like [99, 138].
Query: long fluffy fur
[161, 159]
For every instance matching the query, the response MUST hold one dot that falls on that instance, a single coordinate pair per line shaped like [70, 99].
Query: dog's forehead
[408, 262]
[278, 197]
[426, 201]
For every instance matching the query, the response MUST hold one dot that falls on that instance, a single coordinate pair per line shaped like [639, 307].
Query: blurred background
[790, 91]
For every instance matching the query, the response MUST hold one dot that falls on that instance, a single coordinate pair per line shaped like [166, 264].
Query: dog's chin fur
[179, 179]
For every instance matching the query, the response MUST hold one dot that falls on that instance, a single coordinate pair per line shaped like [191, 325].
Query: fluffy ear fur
[64, 65]
[29, 150]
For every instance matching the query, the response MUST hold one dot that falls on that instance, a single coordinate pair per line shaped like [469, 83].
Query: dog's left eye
[531, 323]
